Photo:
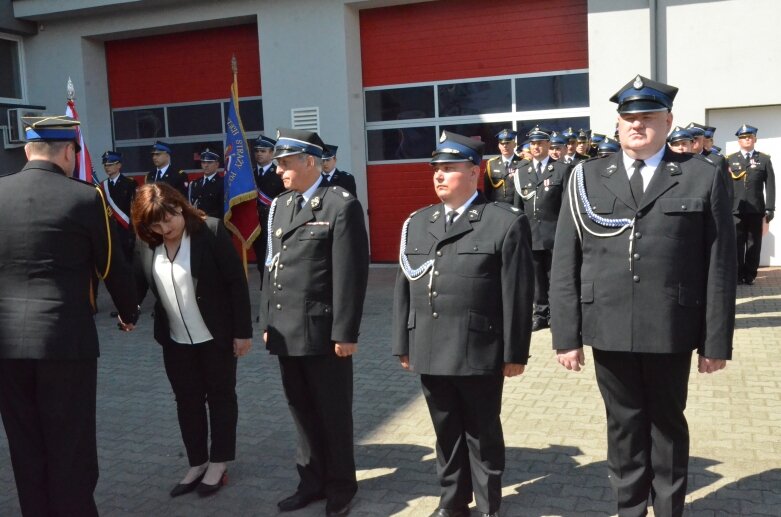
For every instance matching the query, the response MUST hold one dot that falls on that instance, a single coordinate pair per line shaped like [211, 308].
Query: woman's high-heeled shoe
[186, 488]
[205, 489]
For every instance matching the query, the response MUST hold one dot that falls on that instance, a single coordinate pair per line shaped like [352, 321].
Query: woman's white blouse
[175, 285]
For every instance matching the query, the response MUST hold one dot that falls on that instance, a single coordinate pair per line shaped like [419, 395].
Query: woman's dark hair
[151, 205]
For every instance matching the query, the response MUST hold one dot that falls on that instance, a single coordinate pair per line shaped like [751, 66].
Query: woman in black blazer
[202, 320]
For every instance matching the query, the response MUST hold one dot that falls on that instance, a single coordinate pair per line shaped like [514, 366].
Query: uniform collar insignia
[435, 216]
[473, 213]
[289, 200]
[550, 167]
[610, 170]
[315, 203]
[673, 168]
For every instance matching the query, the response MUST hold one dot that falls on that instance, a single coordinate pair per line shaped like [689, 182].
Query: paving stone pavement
[554, 427]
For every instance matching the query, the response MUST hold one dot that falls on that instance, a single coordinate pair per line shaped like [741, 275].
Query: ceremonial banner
[241, 215]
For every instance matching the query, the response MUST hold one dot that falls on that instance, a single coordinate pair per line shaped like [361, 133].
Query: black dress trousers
[48, 410]
[470, 442]
[204, 374]
[319, 391]
[542, 263]
[748, 230]
[648, 437]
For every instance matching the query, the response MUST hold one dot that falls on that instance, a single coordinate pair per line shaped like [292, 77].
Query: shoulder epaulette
[420, 210]
[345, 193]
[507, 206]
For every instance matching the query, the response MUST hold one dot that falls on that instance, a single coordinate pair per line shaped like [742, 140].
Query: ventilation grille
[305, 118]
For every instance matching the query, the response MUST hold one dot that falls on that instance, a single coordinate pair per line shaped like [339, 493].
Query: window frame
[517, 117]
[22, 70]
[188, 139]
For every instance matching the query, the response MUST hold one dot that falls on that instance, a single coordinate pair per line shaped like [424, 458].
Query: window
[404, 122]
[194, 119]
[474, 98]
[138, 158]
[400, 103]
[136, 124]
[486, 131]
[552, 92]
[11, 89]
[251, 112]
[407, 143]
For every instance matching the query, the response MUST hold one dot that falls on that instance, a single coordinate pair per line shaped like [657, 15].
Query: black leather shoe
[337, 509]
[297, 501]
[186, 488]
[205, 489]
[539, 324]
[749, 281]
[450, 512]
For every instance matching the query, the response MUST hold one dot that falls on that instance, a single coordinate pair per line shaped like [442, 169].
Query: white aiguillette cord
[576, 189]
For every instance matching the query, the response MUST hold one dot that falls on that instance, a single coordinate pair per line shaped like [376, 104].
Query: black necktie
[159, 175]
[449, 219]
[636, 181]
[298, 202]
[539, 170]
[748, 157]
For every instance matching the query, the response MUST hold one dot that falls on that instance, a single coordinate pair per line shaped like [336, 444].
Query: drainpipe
[652, 15]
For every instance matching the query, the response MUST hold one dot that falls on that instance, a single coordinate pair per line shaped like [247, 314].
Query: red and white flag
[83, 169]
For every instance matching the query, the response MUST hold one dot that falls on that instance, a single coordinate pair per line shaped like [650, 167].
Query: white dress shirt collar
[311, 190]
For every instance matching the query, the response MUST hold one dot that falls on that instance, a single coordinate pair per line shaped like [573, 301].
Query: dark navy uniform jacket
[497, 186]
[754, 191]
[177, 180]
[314, 292]
[680, 293]
[271, 185]
[55, 235]
[208, 195]
[122, 193]
[472, 312]
[540, 198]
[345, 180]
